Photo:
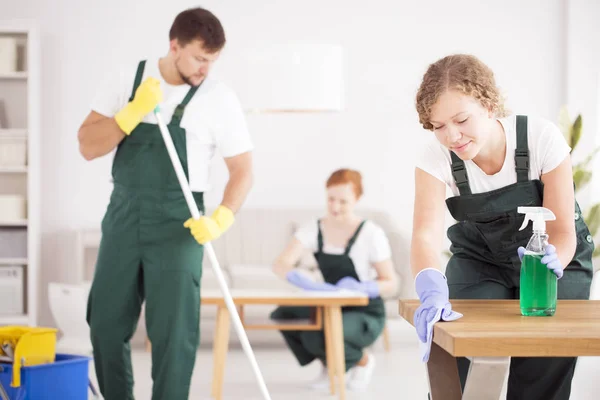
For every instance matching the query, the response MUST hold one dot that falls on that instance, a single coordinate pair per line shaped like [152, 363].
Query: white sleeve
[110, 96]
[232, 134]
[308, 234]
[551, 147]
[432, 161]
[379, 249]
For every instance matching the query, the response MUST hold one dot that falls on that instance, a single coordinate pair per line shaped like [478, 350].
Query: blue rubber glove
[550, 260]
[299, 279]
[370, 288]
[432, 288]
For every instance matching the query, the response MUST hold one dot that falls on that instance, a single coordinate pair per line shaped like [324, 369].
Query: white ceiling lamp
[291, 77]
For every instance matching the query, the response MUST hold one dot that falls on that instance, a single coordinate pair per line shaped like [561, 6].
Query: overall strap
[459, 172]
[178, 113]
[353, 238]
[522, 150]
[138, 78]
[319, 237]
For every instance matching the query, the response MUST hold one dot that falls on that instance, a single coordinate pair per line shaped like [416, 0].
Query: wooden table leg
[386, 338]
[444, 383]
[329, 354]
[220, 347]
[337, 339]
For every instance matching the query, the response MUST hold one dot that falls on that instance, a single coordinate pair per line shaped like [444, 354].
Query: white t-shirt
[547, 149]
[371, 246]
[213, 119]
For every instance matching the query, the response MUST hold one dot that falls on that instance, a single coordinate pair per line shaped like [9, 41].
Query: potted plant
[582, 173]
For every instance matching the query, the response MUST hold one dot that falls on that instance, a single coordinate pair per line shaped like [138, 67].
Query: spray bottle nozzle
[539, 216]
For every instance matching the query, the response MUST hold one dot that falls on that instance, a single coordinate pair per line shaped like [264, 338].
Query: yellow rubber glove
[207, 229]
[147, 96]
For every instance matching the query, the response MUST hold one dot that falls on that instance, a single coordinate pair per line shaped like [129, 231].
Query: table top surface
[496, 328]
[287, 297]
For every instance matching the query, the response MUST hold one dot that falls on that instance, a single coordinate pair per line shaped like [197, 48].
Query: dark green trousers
[146, 254]
[360, 330]
[540, 378]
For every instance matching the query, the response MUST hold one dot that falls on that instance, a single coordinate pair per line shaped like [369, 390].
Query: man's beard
[184, 78]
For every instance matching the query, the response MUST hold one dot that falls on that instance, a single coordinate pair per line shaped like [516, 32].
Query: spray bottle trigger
[525, 222]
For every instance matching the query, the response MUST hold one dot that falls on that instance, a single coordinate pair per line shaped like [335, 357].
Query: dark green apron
[485, 264]
[361, 325]
[146, 254]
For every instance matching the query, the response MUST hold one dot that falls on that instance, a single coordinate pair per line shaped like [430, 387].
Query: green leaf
[576, 131]
[581, 177]
[564, 123]
[592, 219]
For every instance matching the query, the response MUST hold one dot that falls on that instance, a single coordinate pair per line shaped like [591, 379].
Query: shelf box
[13, 52]
[12, 290]
[8, 54]
[14, 103]
[13, 151]
[13, 208]
[13, 242]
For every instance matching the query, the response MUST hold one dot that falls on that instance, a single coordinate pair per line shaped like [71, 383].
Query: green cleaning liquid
[538, 287]
[538, 284]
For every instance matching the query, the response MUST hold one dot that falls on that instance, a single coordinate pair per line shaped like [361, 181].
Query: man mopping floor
[146, 252]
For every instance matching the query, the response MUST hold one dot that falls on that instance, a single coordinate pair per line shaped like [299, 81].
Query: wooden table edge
[450, 342]
[293, 301]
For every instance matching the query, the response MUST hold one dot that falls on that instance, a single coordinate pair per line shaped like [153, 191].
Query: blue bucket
[67, 378]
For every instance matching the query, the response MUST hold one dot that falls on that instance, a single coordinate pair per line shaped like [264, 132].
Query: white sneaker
[322, 381]
[360, 377]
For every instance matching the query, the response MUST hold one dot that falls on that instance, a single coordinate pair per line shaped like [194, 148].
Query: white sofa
[246, 253]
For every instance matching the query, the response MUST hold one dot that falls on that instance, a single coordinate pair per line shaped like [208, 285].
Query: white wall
[583, 76]
[387, 44]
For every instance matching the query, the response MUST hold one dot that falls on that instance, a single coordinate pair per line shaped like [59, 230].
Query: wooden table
[328, 317]
[492, 331]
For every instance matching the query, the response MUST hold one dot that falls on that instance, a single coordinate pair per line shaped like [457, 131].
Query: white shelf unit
[20, 92]
[13, 75]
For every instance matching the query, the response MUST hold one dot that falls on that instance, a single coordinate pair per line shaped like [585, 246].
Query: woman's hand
[370, 288]
[550, 259]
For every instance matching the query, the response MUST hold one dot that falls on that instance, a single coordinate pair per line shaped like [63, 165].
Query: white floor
[399, 375]
[397, 370]
[286, 380]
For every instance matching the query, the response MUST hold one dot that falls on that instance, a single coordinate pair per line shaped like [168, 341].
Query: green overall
[361, 325]
[485, 265]
[147, 254]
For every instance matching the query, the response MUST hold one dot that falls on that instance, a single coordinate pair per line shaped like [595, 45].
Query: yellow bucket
[31, 346]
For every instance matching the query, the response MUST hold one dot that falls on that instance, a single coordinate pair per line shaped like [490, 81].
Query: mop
[237, 323]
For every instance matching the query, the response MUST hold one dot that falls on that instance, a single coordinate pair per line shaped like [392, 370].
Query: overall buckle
[178, 113]
[460, 174]
[522, 160]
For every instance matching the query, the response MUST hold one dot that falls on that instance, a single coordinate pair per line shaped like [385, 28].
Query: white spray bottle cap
[539, 216]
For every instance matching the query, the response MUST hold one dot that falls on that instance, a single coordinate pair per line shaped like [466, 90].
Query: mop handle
[237, 323]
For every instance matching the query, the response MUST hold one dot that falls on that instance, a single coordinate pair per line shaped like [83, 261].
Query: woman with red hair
[351, 253]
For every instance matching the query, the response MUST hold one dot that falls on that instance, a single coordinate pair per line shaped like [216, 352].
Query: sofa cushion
[257, 276]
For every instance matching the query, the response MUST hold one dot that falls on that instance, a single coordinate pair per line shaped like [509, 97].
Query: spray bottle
[538, 283]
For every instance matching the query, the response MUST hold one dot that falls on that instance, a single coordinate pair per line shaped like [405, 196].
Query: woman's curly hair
[465, 74]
